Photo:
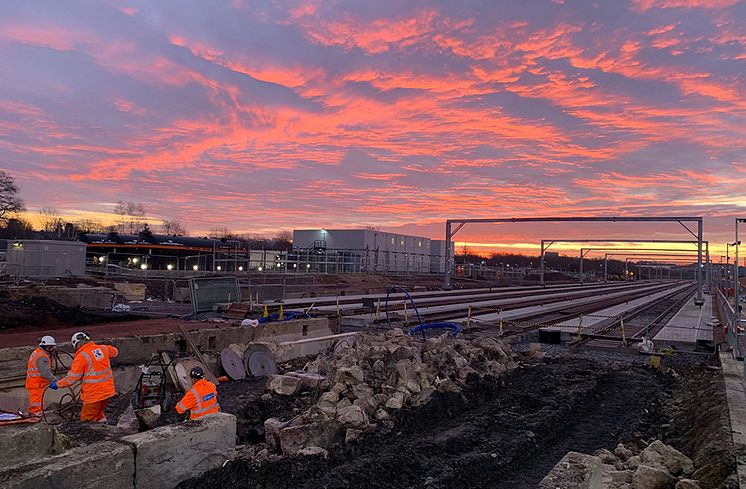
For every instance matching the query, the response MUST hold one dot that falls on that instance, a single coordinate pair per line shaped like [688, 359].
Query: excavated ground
[498, 433]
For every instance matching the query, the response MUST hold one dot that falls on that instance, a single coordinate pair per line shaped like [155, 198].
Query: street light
[170, 267]
[219, 268]
[240, 269]
[144, 266]
[195, 267]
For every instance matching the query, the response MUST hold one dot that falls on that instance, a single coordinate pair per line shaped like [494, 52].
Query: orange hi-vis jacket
[92, 367]
[35, 378]
[201, 400]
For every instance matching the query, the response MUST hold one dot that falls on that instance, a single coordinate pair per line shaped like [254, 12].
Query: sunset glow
[262, 116]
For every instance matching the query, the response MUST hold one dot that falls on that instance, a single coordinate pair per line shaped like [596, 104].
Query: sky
[263, 116]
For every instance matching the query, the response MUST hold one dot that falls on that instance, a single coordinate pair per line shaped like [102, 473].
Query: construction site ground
[507, 432]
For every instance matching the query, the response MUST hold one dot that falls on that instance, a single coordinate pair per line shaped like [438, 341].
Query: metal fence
[728, 317]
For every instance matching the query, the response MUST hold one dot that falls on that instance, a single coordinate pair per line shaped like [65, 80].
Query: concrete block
[105, 464]
[133, 292]
[575, 471]
[168, 455]
[28, 441]
[324, 434]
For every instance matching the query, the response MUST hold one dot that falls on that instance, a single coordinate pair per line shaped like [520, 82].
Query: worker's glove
[53, 385]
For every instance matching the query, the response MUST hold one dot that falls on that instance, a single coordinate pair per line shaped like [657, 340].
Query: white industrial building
[45, 258]
[372, 251]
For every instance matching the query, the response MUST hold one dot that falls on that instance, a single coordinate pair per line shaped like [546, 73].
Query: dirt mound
[367, 378]
[498, 433]
[16, 312]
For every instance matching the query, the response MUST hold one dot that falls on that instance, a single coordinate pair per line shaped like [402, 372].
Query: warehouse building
[372, 251]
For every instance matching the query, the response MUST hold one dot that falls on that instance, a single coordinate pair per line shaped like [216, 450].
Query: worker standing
[39, 374]
[201, 399]
[92, 367]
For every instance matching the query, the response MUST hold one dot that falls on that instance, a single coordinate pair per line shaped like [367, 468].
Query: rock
[606, 456]
[396, 401]
[330, 396]
[688, 484]
[272, 428]
[574, 470]
[323, 434]
[285, 385]
[313, 452]
[658, 453]
[148, 417]
[266, 397]
[447, 385]
[622, 452]
[262, 456]
[352, 416]
[633, 462]
[343, 403]
[378, 366]
[349, 375]
[352, 435]
[382, 414]
[621, 476]
[647, 477]
[310, 380]
[128, 421]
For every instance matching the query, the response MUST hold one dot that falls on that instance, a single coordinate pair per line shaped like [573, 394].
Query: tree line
[131, 218]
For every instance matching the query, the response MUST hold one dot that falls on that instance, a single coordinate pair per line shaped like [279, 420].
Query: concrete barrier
[168, 455]
[27, 442]
[105, 464]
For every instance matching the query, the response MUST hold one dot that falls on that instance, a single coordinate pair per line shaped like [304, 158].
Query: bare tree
[173, 227]
[9, 200]
[51, 220]
[221, 232]
[131, 217]
[283, 241]
[89, 226]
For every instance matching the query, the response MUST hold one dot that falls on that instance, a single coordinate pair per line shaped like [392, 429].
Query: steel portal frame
[681, 220]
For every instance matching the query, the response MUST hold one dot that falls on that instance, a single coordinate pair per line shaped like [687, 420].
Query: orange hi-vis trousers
[94, 411]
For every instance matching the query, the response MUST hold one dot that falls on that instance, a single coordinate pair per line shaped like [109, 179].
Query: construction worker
[202, 398]
[39, 374]
[92, 367]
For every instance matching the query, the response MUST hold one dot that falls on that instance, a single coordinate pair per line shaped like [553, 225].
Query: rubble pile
[362, 381]
[657, 466]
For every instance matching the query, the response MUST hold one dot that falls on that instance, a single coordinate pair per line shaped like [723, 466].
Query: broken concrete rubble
[148, 417]
[658, 466]
[374, 374]
[285, 385]
[576, 470]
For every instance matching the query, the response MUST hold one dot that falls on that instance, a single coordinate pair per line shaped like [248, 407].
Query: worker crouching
[201, 399]
[39, 374]
[92, 367]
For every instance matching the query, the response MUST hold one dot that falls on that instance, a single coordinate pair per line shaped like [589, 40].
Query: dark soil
[500, 433]
[244, 399]
[39, 311]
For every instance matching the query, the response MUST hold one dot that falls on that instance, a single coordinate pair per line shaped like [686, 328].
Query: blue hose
[288, 316]
[422, 326]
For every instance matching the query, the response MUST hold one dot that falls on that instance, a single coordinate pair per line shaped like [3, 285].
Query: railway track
[636, 324]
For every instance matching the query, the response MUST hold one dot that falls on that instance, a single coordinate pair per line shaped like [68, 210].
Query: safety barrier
[727, 316]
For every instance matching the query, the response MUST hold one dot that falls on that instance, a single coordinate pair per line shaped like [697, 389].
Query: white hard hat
[78, 337]
[47, 341]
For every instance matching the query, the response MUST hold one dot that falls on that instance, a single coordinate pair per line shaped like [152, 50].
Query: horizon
[265, 117]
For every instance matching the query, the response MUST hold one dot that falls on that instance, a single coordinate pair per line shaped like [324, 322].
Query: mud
[39, 311]
[252, 407]
[505, 433]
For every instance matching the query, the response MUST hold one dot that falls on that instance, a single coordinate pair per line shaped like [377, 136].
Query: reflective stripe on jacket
[34, 376]
[200, 400]
[92, 367]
